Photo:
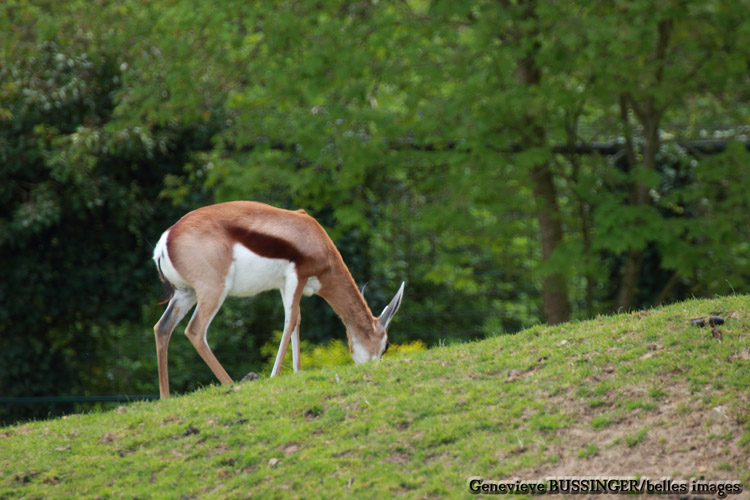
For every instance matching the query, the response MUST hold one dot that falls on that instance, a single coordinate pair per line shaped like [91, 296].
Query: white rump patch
[163, 262]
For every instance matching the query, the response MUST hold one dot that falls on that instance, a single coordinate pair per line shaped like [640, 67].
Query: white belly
[251, 274]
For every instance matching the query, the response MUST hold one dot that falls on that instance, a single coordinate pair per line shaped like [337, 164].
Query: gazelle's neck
[341, 293]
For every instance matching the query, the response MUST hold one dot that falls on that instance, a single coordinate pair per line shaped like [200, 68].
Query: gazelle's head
[372, 346]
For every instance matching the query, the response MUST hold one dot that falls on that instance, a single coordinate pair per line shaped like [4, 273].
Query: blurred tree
[666, 64]
[538, 79]
[448, 118]
[79, 212]
[443, 142]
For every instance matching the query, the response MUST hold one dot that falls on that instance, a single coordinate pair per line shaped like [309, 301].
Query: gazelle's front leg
[295, 344]
[289, 334]
[290, 296]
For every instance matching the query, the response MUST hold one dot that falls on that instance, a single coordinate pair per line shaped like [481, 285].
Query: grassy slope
[645, 393]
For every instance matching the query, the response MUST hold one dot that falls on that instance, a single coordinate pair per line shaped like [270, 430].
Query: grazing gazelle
[242, 248]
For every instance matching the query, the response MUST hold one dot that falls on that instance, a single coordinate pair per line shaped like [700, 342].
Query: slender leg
[178, 307]
[295, 344]
[283, 346]
[197, 329]
[290, 296]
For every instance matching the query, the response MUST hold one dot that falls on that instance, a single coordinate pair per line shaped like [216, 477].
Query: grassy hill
[644, 394]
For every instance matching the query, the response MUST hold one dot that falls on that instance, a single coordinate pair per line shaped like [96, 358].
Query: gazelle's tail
[168, 287]
[159, 255]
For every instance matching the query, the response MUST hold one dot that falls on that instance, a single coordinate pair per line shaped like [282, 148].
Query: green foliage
[333, 353]
[79, 211]
[411, 130]
[375, 136]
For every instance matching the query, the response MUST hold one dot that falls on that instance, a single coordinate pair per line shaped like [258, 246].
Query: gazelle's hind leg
[208, 305]
[179, 305]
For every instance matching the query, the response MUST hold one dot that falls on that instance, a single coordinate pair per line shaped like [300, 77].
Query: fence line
[56, 400]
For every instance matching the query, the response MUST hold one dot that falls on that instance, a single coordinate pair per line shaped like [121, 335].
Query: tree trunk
[649, 115]
[555, 303]
[629, 282]
[634, 260]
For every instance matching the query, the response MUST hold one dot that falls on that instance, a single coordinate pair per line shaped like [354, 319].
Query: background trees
[515, 161]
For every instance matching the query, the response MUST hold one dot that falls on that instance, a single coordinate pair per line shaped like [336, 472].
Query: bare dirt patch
[397, 458]
[680, 439]
[290, 449]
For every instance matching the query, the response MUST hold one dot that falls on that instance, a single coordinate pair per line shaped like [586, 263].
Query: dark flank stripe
[266, 245]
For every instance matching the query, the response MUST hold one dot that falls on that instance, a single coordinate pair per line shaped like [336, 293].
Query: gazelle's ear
[390, 310]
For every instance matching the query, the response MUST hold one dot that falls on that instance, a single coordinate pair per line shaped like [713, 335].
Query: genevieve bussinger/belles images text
[602, 485]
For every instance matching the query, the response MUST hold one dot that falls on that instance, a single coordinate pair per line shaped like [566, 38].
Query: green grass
[587, 451]
[421, 424]
[601, 421]
[636, 438]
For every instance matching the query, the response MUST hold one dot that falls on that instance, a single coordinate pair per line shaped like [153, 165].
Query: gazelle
[242, 248]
